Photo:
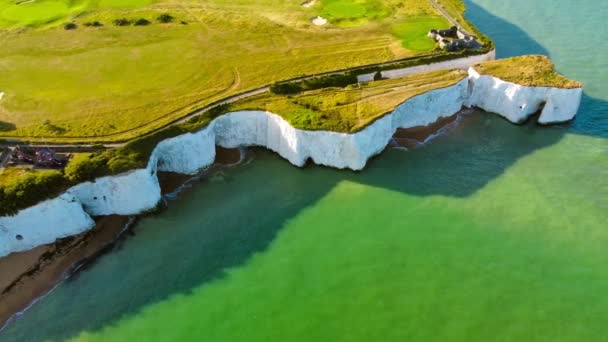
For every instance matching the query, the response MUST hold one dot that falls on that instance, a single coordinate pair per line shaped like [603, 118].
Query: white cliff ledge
[138, 190]
[516, 102]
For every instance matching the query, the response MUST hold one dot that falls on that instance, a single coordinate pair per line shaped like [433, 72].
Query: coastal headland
[337, 113]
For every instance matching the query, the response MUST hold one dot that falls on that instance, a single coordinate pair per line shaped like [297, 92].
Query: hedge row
[337, 80]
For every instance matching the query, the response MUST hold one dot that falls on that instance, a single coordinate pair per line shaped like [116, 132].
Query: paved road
[447, 15]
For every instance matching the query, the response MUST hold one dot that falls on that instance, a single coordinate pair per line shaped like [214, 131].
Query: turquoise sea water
[490, 232]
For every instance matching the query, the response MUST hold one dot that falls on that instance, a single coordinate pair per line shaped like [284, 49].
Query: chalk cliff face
[42, 224]
[517, 103]
[127, 194]
[338, 150]
[138, 190]
[187, 153]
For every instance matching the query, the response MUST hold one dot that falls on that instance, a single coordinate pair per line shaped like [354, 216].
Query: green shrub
[290, 88]
[85, 168]
[338, 80]
[165, 18]
[70, 26]
[93, 24]
[30, 189]
[142, 22]
[122, 22]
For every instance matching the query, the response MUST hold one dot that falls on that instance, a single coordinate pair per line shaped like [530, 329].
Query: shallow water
[491, 231]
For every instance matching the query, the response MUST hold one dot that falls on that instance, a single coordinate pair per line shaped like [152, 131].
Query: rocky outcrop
[516, 102]
[43, 223]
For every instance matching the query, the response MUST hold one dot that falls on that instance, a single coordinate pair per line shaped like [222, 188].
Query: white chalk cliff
[126, 194]
[43, 223]
[138, 190]
[516, 102]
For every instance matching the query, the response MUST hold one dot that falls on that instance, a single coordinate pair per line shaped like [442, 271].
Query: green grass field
[36, 13]
[114, 83]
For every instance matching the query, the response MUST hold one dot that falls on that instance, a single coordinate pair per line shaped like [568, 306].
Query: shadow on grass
[244, 215]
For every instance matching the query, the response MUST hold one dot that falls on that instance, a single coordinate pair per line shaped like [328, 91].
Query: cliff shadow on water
[241, 210]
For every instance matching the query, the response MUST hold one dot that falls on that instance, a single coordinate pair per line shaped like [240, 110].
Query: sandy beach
[414, 136]
[28, 275]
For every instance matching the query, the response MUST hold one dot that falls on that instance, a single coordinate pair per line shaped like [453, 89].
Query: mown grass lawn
[115, 83]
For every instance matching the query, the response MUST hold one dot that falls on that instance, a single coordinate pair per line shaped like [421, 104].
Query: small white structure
[319, 21]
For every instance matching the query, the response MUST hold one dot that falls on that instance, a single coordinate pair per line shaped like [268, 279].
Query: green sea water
[489, 232]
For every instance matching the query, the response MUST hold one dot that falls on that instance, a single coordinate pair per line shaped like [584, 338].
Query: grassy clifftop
[348, 110]
[352, 109]
[532, 71]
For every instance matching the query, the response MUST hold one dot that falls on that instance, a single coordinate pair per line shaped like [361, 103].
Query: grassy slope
[352, 109]
[532, 70]
[94, 82]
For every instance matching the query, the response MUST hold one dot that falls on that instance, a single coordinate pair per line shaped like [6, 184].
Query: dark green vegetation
[21, 188]
[532, 70]
[339, 80]
[121, 22]
[165, 18]
[142, 22]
